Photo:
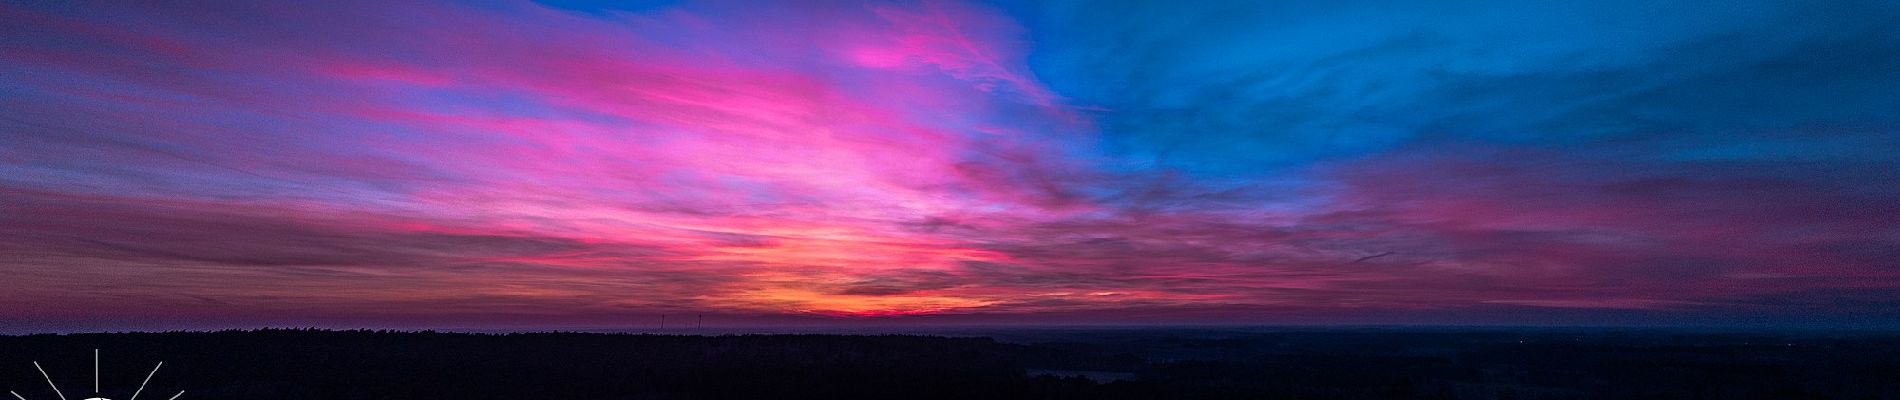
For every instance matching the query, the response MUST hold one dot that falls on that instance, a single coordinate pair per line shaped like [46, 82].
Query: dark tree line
[341, 365]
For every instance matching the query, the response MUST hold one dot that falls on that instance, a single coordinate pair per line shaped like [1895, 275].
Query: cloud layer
[511, 164]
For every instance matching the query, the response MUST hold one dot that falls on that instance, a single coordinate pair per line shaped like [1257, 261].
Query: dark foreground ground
[1048, 364]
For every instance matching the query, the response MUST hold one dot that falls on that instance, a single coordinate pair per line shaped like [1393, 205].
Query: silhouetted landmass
[1046, 364]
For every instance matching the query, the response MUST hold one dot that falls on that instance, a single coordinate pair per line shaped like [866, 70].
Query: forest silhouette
[1051, 364]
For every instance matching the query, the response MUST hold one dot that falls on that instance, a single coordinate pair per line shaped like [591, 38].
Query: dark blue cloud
[1248, 87]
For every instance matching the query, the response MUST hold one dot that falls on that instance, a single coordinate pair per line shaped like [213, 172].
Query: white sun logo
[95, 381]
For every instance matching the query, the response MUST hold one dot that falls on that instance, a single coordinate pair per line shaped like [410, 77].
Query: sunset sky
[523, 165]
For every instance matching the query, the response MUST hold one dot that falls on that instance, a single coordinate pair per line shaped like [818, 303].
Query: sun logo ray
[95, 382]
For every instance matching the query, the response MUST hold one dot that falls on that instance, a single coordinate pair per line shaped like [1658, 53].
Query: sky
[540, 165]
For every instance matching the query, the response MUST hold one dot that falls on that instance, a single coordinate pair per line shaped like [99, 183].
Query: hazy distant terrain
[1343, 364]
